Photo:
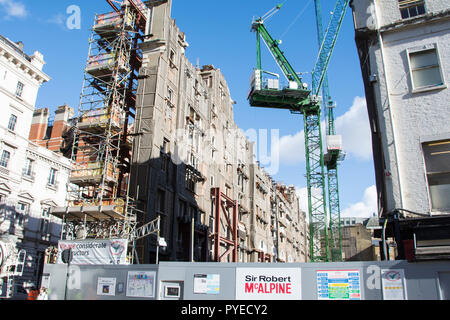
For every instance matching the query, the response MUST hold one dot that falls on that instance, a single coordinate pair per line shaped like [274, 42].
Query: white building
[404, 48]
[32, 178]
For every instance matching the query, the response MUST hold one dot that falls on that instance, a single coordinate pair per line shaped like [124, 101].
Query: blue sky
[218, 33]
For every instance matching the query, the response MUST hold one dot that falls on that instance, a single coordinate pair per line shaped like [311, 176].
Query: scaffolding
[98, 204]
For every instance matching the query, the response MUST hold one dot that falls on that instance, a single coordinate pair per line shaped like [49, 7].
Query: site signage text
[268, 284]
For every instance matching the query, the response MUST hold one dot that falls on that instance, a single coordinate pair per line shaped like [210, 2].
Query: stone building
[32, 177]
[404, 49]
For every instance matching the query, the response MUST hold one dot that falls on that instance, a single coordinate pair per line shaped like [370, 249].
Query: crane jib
[273, 46]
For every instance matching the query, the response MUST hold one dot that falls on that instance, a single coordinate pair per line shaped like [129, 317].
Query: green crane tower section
[265, 92]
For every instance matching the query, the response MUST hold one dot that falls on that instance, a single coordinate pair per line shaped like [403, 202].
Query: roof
[14, 47]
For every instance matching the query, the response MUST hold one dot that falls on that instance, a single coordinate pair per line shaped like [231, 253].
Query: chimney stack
[60, 126]
[39, 125]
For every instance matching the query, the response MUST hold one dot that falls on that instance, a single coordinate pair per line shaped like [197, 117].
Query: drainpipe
[388, 96]
[386, 257]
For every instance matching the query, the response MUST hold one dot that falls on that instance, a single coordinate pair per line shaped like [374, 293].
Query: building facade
[404, 48]
[32, 178]
[195, 169]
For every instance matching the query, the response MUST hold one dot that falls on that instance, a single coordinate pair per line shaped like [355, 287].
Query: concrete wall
[422, 281]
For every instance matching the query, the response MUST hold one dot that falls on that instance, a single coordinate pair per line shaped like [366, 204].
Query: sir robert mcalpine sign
[268, 284]
[95, 252]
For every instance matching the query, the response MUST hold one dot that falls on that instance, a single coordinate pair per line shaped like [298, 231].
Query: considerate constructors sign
[268, 284]
[95, 252]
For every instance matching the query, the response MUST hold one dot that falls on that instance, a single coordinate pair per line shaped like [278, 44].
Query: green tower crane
[298, 99]
[334, 150]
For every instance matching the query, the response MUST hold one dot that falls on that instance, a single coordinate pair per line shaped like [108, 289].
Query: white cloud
[291, 148]
[353, 126]
[58, 19]
[364, 208]
[14, 8]
[302, 194]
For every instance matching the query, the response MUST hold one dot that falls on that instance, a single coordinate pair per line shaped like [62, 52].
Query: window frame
[12, 123]
[424, 49]
[19, 89]
[52, 178]
[429, 175]
[28, 169]
[410, 4]
[2, 159]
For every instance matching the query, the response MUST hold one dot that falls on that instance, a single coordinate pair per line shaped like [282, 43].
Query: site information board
[141, 284]
[268, 284]
[338, 285]
[207, 284]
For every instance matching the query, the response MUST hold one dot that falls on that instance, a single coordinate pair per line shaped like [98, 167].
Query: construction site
[165, 200]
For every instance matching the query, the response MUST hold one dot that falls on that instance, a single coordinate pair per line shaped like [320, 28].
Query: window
[262, 246]
[182, 208]
[46, 212]
[437, 163]
[19, 89]
[52, 177]
[169, 95]
[211, 224]
[191, 181]
[4, 160]
[165, 155]
[411, 8]
[28, 170]
[172, 59]
[12, 122]
[44, 226]
[161, 201]
[425, 69]
[22, 210]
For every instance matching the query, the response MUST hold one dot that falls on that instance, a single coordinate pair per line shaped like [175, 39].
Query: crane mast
[299, 100]
[333, 154]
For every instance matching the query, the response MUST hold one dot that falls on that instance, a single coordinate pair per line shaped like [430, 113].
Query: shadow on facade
[32, 234]
[166, 189]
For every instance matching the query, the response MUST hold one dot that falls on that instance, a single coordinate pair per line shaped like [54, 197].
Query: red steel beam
[221, 210]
